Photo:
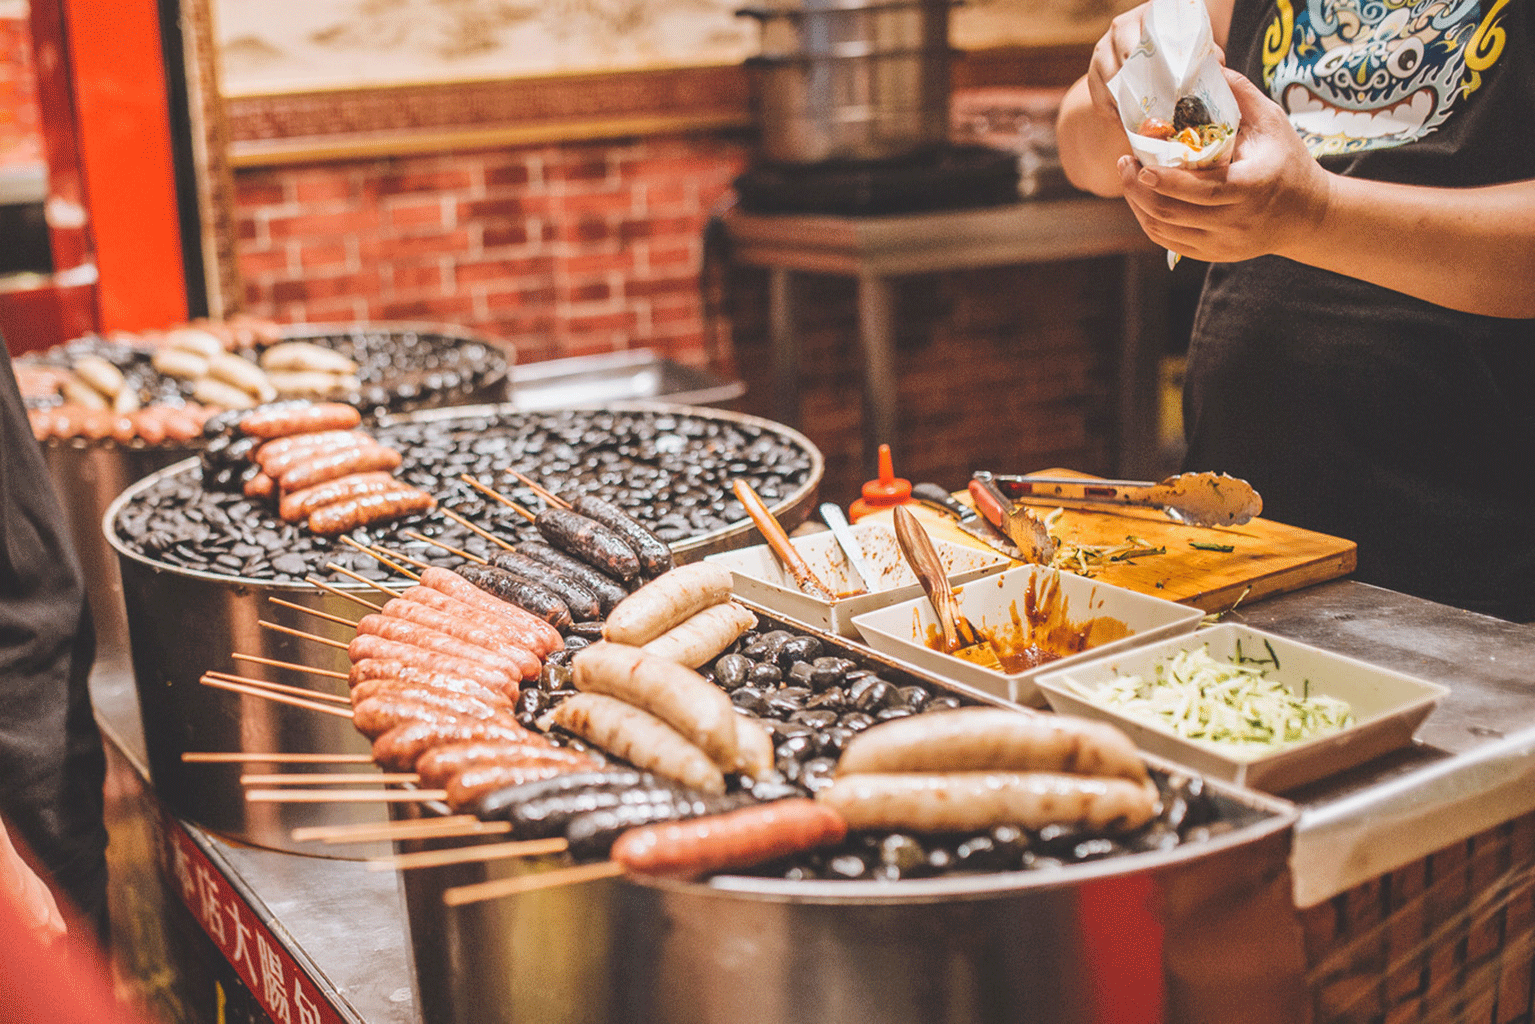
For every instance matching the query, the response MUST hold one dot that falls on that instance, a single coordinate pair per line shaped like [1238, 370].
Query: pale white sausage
[702, 636]
[972, 801]
[665, 601]
[640, 738]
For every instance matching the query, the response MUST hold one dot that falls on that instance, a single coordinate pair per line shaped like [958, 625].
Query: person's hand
[1109, 54]
[28, 893]
[1272, 194]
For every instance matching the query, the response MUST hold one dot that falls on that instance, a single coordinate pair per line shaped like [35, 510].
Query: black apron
[52, 767]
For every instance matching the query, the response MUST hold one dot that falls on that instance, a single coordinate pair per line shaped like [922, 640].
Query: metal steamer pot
[183, 622]
[1205, 932]
[88, 475]
[852, 81]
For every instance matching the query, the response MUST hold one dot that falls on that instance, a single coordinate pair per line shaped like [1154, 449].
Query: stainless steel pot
[850, 81]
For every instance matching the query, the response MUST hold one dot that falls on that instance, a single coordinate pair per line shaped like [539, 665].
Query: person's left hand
[1272, 193]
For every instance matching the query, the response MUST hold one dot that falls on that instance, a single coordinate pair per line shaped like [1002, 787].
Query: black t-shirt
[1356, 410]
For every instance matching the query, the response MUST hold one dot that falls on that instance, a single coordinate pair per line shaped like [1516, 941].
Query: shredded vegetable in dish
[1231, 702]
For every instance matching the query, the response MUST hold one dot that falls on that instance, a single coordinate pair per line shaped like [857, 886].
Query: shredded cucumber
[1228, 703]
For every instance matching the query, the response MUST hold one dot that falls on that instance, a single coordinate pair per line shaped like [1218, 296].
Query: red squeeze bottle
[886, 492]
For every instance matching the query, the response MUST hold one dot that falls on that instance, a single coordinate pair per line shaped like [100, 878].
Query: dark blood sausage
[546, 816]
[277, 456]
[589, 541]
[398, 749]
[531, 633]
[297, 506]
[470, 784]
[328, 465]
[439, 764]
[504, 802]
[451, 584]
[654, 553]
[406, 632]
[368, 649]
[381, 507]
[592, 835]
[608, 590]
[378, 714]
[531, 597]
[437, 695]
[583, 604]
[737, 839]
[490, 637]
[300, 420]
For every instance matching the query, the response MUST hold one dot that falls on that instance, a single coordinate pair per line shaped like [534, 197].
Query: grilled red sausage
[736, 839]
[299, 504]
[461, 688]
[451, 584]
[440, 764]
[277, 456]
[525, 628]
[328, 465]
[378, 714]
[406, 632]
[366, 509]
[483, 633]
[398, 749]
[302, 420]
[260, 486]
[368, 651]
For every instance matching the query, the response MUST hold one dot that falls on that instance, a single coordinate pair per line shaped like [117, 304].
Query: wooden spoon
[773, 532]
[959, 636]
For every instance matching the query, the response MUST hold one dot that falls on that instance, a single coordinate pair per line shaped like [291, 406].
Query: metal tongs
[1193, 499]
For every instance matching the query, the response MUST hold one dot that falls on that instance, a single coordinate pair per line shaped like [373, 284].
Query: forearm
[1090, 144]
[1469, 249]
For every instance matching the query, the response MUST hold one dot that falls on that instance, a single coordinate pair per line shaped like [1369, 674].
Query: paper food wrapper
[1176, 58]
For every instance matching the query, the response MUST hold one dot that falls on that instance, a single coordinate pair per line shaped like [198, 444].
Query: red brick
[595, 169]
[664, 195]
[346, 285]
[456, 309]
[338, 311]
[311, 225]
[605, 202]
[661, 286]
[423, 277]
[247, 229]
[262, 191]
[527, 296]
[492, 209]
[315, 255]
[591, 291]
[541, 267]
[585, 229]
[501, 235]
[262, 262]
[619, 321]
[621, 262]
[320, 187]
[420, 181]
[513, 174]
[416, 215]
[592, 344]
[449, 243]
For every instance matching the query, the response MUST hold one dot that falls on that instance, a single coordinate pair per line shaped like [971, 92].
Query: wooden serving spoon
[959, 636]
[778, 541]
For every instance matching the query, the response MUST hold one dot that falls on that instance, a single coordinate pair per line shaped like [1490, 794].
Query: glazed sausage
[466, 788]
[366, 509]
[530, 597]
[398, 749]
[376, 715]
[488, 637]
[608, 590]
[297, 506]
[971, 801]
[301, 420]
[675, 694]
[736, 839]
[591, 836]
[440, 764]
[589, 541]
[451, 584]
[321, 466]
[260, 487]
[182, 423]
[366, 688]
[96, 424]
[654, 554]
[149, 424]
[407, 632]
[368, 650]
[503, 803]
[667, 600]
[703, 636]
[276, 456]
[982, 739]
[640, 738]
[41, 421]
[530, 633]
[583, 604]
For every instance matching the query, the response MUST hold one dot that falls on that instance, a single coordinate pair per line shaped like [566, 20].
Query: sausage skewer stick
[466, 524]
[327, 641]
[355, 796]
[362, 579]
[275, 757]
[291, 666]
[280, 698]
[772, 531]
[468, 854]
[327, 616]
[297, 691]
[373, 553]
[452, 827]
[450, 549]
[338, 592]
[479, 892]
[327, 778]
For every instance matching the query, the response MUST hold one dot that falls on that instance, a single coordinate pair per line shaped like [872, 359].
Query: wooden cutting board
[1266, 557]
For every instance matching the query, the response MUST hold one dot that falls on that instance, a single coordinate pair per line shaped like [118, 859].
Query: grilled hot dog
[736, 839]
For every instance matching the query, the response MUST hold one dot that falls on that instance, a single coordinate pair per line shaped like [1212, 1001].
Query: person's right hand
[1109, 54]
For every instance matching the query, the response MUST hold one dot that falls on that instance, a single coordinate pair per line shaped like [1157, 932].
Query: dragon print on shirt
[1370, 74]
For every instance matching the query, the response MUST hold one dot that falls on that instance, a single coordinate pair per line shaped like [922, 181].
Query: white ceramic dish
[999, 604]
[760, 578]
[1387, 706]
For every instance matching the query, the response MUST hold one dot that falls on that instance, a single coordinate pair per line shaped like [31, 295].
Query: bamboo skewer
[452, 827]
[495, 889]
[296, 691]
[291, 666]
[327, 778]
[301, 634]
[337, 591]
[380, 552]
[279, 698]
[374, 554]
[327, 616]
[468, 854]
[549, 496]
[488, 491]
[466, 524]
[465, 555]
[359, 796]
[275, 757]
[362, 579]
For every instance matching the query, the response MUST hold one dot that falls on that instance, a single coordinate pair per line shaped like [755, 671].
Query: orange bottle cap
[889, 489]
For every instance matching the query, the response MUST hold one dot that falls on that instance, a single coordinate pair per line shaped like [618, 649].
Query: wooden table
[877, 250]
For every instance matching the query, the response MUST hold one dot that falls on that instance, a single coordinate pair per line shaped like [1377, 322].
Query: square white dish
[761, 579]
[998, 605]
[1387, 706]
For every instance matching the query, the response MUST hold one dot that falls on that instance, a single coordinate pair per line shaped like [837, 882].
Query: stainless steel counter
[1472, 769]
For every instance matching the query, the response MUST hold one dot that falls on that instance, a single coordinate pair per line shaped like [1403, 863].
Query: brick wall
[20, 137]
[562, 250]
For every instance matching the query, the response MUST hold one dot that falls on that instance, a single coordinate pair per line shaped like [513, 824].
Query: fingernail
[1148, 177]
